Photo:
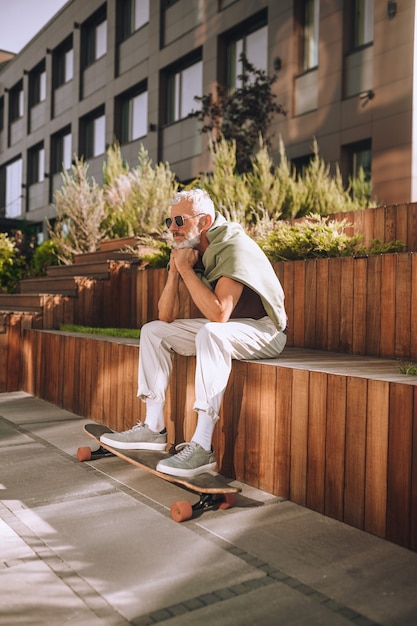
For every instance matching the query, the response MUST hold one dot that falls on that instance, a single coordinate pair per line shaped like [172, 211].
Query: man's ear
[208, 221]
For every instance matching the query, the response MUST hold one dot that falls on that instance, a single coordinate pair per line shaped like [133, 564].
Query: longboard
[213, 489]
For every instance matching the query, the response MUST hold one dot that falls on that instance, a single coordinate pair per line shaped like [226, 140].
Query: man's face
[188, 235]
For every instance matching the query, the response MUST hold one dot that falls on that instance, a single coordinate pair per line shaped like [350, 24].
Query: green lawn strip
[126, 333]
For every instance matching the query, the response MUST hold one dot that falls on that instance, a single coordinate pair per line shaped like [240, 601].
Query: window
[310, 34]
[14, 189]
[133, 15]
[16, 102]
[1, 114]
[183, 85]
[132, 115]
[93, 137]
[37, 85]
[357, 165]
[63, 63]
[363, 23]
[95, 38]
[251, 39]
[100, 40]
[36, 164]
[360, 157]
[61, 151]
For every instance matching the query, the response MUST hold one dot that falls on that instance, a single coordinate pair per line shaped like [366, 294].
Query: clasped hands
[183, 259]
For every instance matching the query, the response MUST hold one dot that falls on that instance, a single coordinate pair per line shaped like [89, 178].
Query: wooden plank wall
[350, 305]
[386, 223]
[12, 354]
[344, 446]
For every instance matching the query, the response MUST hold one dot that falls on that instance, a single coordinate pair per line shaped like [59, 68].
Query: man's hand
[184, 258]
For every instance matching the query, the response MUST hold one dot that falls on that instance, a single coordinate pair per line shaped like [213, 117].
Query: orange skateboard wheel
[84, 454]
[181, 511]
[228, 501]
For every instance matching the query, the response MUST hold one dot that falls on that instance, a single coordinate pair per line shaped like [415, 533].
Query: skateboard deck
[213, 489]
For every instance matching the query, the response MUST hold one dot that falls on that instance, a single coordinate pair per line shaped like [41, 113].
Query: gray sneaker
[190, 461]
[140, 437]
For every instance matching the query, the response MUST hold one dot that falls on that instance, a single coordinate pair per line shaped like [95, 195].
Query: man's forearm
[168, 305]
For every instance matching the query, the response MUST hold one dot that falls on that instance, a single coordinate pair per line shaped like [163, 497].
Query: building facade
[130, 70]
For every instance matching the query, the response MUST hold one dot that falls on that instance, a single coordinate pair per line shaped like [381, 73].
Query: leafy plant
[45, 254]
[316, 237]
[12, 264]
[408, 368]
[379, 247]
[312, 238]
[157, 258]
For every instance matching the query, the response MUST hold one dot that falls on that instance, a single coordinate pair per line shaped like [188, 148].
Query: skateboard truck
[182, 510]
[87, 454]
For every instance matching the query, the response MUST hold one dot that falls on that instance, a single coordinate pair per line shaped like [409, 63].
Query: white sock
[155, 416]
[204, 431]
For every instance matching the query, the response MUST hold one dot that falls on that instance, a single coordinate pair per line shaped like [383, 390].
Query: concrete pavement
[93, 544]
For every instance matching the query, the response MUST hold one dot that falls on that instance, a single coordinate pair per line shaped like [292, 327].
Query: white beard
[189, 243]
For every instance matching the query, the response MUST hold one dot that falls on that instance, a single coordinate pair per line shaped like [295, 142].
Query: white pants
[214, 344]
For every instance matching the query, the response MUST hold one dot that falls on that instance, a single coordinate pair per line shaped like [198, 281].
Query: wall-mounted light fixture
[153, 128]
[391, 9]
[277, 64]
[366, 96]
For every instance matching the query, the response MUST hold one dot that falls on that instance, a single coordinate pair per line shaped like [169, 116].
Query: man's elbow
[163, 317]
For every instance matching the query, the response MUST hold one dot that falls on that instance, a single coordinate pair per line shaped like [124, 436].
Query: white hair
[201, 201]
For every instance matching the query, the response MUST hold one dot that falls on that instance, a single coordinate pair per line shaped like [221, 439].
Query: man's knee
[209, 333]
[155, 328]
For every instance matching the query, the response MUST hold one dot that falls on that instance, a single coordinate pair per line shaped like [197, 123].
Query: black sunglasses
[180, 219]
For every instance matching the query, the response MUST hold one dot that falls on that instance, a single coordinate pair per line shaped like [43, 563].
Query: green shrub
[160, 255]
[44, 255]
[12, 264]
[316, 237]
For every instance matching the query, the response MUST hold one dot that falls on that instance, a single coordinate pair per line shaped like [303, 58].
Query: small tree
[243, 115]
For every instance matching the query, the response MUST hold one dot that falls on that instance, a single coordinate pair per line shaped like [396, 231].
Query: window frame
[16, 102]
[125, 113]
[60, 64]
[92, 48]
[36, 164]
[175, 78]
[362, 24]
[58, 161]
[310, 35]
[18, 184]
[37, 85]
[88, 134]
[128, 20]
